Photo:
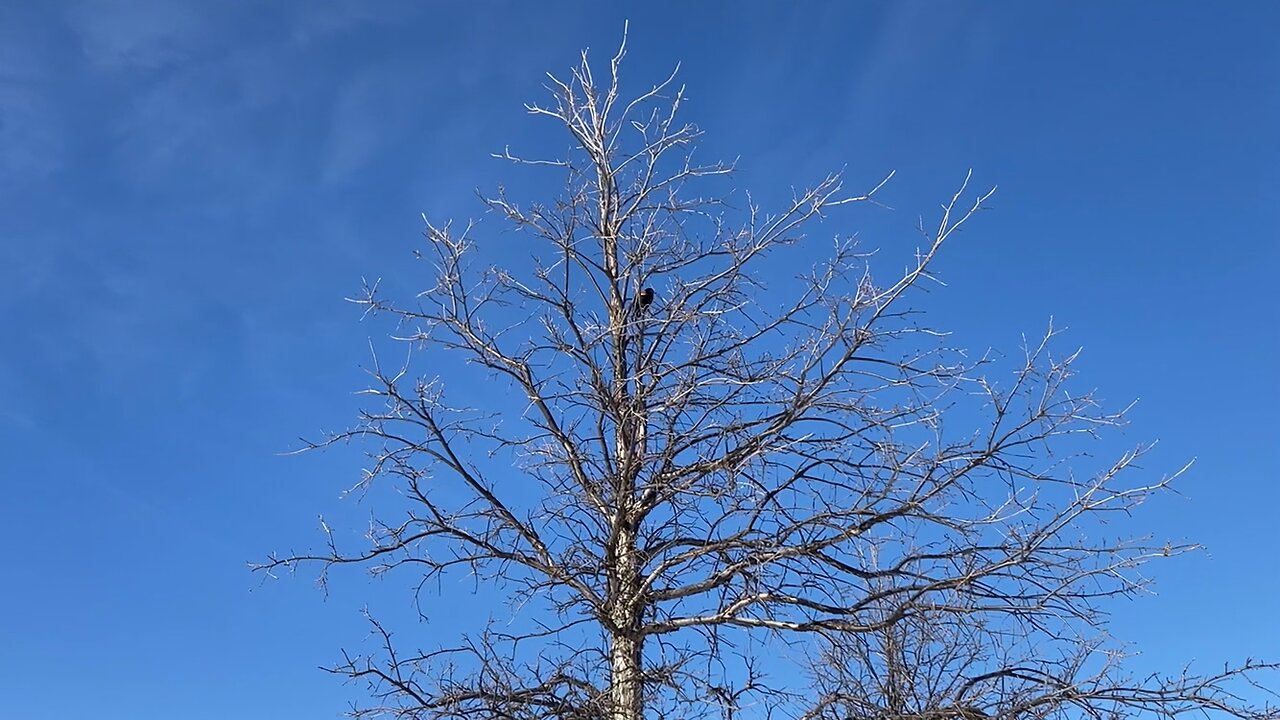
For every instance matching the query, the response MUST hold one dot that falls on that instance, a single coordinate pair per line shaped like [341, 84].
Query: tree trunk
[626, 684]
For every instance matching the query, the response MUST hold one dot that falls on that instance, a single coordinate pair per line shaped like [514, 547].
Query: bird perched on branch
[640, 304]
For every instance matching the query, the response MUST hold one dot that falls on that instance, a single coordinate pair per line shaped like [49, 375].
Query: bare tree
[698, 484]
[941, 664]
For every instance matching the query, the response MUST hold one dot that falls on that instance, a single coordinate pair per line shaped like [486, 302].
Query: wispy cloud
[314, 22]
[219, 99]
[32, 141]
[369, 116]
[32, 136]
[120, 35]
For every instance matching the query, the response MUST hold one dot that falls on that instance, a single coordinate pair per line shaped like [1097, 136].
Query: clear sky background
[188, 190]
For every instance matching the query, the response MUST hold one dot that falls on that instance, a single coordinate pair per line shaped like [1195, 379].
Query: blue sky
[188, 190]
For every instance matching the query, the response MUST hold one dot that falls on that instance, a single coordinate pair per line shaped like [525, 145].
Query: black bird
[646, 298]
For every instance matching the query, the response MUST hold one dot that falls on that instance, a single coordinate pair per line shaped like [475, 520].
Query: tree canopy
[702, 499]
